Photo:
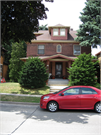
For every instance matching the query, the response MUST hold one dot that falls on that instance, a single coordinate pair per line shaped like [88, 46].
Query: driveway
[31, 120]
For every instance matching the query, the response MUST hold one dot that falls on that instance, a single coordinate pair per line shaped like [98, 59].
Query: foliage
[15, 88]
[43, 27]
[20, 18]
[82, 71]
[89, 31]
[33, 74]
[15, 62]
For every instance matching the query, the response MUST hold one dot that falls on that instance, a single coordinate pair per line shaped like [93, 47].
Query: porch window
[77, 50]
[62, 32]
[58, 48]
[40, 49]
[55, 32]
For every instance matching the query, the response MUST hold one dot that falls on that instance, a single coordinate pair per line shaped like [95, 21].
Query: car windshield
[60, 90]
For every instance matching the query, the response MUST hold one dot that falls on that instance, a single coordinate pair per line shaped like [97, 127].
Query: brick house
[3, 65]
[56, 48]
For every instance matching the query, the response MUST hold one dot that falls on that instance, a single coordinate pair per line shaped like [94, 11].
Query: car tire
[98, 107]
[52, 106]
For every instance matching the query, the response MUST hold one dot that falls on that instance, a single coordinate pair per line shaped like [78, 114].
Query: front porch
[57, 66]
[57, 84]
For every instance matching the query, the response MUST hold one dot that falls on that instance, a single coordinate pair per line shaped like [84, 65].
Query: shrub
[82, 71]
[16, 64]
[33, 74]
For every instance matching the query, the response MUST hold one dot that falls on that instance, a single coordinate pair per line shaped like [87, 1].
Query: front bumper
[43, 104]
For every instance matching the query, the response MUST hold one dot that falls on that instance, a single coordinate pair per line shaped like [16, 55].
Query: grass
[20, 99]
[15, 88]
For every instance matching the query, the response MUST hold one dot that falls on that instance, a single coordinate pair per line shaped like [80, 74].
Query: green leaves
[91, 24]
[16, 64]
[33, 74]
[82, 71]
[19, 19]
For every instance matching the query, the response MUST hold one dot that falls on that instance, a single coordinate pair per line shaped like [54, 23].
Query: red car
[73, 97]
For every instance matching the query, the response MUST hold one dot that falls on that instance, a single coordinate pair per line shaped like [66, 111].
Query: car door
[88, 97]
[70, 99]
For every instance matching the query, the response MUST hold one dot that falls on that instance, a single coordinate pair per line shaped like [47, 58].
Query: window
[88, 91]
[58, 48]
[40, 49]
[62, 32]
[74, 91]
[55, 32]
[77, 50]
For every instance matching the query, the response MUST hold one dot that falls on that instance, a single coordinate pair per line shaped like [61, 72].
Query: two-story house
[57, 48]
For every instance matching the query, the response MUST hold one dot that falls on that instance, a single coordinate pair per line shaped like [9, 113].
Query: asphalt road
[31, 120]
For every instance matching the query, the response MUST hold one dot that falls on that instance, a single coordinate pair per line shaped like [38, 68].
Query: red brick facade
[56, 63]
[50, 49]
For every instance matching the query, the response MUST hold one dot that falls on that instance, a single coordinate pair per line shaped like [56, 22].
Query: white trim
[63, 30]
[57, 48]
[73, 49]
[56, 30]
[41, 49]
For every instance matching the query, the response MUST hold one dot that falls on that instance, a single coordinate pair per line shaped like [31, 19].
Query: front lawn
[15, 88]
[20, 99]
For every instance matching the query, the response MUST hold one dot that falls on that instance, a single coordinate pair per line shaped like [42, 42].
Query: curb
[23, 95]
[19, 103]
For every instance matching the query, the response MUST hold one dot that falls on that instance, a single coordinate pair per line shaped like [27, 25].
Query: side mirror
[62, 94]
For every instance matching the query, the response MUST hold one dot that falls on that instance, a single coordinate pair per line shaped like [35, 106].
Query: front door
[58, 71]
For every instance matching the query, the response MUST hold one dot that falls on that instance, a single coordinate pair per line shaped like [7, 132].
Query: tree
[33, 74]
[43, 27]
[83, 71]
[89, 31]
[16, 64]
[20, 18]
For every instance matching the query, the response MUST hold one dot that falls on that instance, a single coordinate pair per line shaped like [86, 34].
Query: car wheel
[98, 107]
[52, 106]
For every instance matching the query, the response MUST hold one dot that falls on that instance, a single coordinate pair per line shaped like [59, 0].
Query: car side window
[88, 91]
[72, 91]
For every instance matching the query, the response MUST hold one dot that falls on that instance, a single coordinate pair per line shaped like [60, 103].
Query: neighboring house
[57, 49]
[3, 65]
[99, 56]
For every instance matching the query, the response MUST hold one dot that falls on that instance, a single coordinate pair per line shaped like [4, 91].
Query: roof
[98, 53]
[44, 58]
[45, 35]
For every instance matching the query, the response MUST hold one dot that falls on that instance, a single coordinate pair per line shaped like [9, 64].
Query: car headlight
[46, 97]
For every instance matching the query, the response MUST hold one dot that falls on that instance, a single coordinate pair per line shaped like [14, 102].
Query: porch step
[58, 82]
[56, 88]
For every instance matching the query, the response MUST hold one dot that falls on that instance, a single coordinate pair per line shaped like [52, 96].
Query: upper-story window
[62, 32]
[77, 50]
[41, 49]
[58, 48]
[55, 32]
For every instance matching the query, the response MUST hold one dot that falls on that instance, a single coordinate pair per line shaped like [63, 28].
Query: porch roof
[44, 58]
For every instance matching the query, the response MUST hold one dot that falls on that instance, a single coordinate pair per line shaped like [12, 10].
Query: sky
[65, 12]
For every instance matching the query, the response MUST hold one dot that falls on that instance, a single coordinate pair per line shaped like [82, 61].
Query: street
[18, 119]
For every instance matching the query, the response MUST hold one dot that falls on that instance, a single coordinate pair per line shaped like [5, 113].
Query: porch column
[53, 68]
[47, 65]
[64, 69]
[69, 64]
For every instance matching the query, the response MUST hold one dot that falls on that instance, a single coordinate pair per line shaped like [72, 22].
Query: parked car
[73, 97]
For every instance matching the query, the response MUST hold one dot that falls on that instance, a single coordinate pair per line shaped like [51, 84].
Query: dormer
[59, 32]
